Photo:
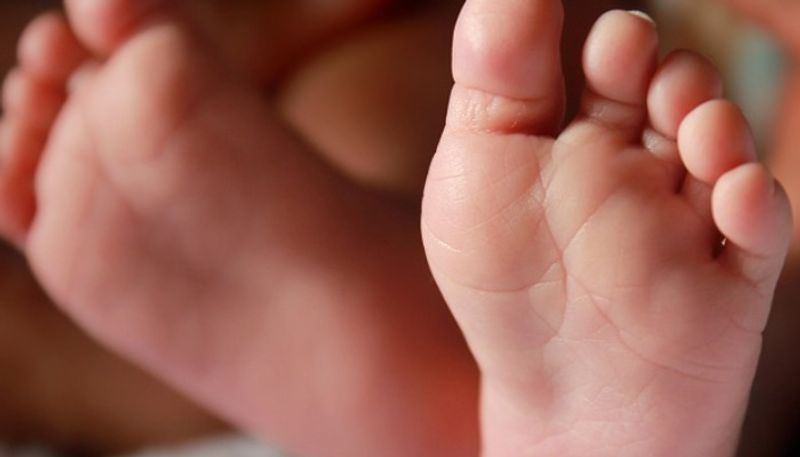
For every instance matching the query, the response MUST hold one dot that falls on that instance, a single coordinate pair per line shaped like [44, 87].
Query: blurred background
[58, 388]
[751, 61]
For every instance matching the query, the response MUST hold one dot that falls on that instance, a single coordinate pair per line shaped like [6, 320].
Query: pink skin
[60, 389]
[158, 167]
[31, 101]
[586, 265]
[701, 168]
[773, 421]
[664, 137]
[718, 114]
[381, 154]
[64, 390]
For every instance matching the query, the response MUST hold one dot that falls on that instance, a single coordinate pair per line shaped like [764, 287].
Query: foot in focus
[613, 278]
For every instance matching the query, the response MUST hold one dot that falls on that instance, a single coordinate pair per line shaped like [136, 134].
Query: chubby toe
[619, 60]
[684, 81]
[715, 138]
[752, 211]
[49, 50]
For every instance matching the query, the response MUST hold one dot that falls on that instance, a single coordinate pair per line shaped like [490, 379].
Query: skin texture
[772, 419]
[347, 89]
[335, 264]
[585, 265]
[313, 88]
[316, 78]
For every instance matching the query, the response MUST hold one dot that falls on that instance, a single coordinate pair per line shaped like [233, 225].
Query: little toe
[619, 60]
[713, 139]
[103, 26]
[507, 67]
[49, 51]
[752, 211]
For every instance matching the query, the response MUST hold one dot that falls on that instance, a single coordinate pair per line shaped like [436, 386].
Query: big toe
[506, 63]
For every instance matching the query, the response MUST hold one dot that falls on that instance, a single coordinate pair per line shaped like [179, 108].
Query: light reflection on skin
[101, 363]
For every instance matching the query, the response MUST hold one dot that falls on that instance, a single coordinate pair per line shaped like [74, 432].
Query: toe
[683, 82]
[167, 76]
[713, 139]
[49, 51]
[20, 149]
[31, 100]
[104, 25]
[619, 60]
[507, 66]
[33, 95]
[10, 91]
[753, 213]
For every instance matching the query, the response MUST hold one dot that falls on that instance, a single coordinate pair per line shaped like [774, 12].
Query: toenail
[642, 15]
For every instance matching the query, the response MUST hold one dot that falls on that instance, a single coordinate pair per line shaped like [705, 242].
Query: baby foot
[613, 278]
[175, 219]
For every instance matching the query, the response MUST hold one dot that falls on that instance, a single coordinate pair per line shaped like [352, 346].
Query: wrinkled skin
[293, 73]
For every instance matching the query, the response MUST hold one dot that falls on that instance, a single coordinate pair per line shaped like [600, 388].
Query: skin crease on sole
[783, 168]
[759, 429]
[313, 75]
[586, 266]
